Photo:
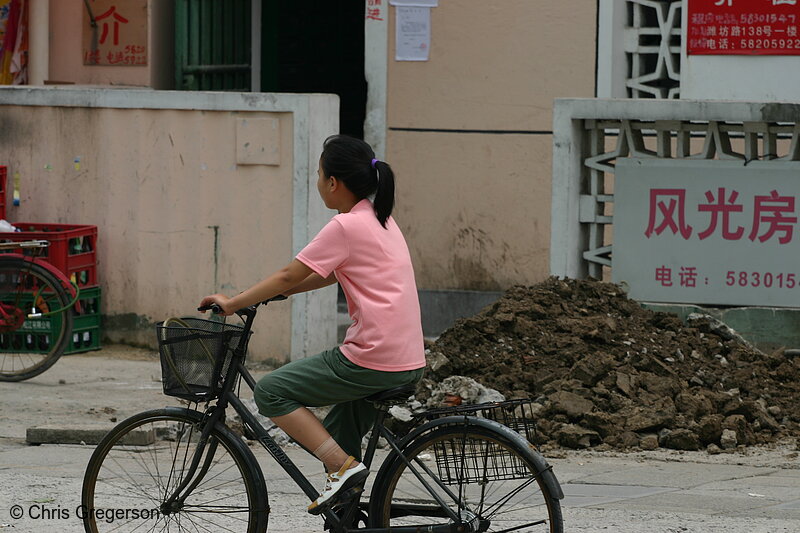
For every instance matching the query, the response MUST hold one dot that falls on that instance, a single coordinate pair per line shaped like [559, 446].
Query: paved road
[659, 491]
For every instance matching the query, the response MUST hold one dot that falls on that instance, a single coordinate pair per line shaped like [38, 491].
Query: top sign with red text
[708, 232]
[116, 33]
[743, 27]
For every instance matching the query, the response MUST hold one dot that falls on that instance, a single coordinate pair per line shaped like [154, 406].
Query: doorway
[310, 46]
[317, 46]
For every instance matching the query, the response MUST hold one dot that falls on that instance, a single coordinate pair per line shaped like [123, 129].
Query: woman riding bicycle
[363, 250]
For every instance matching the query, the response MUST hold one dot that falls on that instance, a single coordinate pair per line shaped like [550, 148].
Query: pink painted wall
[192, 193]
[66, 59]
[476, 206]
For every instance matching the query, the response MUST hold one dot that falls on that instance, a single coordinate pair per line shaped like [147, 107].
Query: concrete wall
[468, 132]
[479, 169]
[185, 201]
[66, 56]
[474, 207]
[474, 184]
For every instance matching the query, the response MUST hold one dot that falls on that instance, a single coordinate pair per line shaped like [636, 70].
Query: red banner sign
[743, 27]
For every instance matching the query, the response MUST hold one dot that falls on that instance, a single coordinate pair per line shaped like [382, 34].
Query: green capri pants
[329, 378]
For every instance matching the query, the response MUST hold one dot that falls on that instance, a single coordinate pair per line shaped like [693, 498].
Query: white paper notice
[413, 33]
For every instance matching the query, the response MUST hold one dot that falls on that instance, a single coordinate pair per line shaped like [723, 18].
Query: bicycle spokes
[488, 484]
[148, 464]
[35, 319]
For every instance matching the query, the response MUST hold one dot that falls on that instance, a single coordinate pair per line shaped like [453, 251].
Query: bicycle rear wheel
[491, 485]
[141, 462]
[29, 346]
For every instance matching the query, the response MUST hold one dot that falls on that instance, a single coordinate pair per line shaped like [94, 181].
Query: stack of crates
[73, 251]
[86, 330]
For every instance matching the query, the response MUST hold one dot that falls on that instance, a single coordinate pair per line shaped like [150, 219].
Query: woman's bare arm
[280, 282]
[312, 282]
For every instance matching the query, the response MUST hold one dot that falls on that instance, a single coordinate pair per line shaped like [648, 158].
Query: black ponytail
[353, 162]
[384, 195]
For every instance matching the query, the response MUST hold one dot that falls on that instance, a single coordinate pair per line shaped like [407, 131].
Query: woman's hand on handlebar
[219, 300]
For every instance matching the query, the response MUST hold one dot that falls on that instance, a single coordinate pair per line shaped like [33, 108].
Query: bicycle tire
[521, 504]
[132, 478]
[28, 347]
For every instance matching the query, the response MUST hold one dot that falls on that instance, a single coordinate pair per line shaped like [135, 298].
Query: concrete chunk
[83, 435]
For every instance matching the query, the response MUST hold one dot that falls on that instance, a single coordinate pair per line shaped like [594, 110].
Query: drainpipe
[39, 41]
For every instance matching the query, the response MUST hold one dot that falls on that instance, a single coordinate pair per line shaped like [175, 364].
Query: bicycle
[185, 469]
[36, 302]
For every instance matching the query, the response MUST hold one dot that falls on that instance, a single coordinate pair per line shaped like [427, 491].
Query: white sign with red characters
[708, 232]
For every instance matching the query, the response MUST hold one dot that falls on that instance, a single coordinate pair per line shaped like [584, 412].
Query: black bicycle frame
[214, 415]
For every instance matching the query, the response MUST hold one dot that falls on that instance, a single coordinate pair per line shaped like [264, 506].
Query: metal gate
[213, 45]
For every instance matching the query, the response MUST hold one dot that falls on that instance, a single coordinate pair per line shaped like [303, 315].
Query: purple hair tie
[373, 162]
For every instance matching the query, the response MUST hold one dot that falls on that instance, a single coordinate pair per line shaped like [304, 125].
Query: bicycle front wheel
[31, 345]
[489, 484]
[141, 462]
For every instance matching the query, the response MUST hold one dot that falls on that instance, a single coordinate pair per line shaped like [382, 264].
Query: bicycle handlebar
[36, 243]
[214, 308]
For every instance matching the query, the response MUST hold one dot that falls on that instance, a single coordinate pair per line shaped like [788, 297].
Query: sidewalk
[661, 491]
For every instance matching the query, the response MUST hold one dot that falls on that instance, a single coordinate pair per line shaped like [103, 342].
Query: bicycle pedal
[348, 495]
[342, 499]
[346, 498]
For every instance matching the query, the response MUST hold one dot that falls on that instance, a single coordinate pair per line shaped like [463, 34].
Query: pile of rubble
[603, 370]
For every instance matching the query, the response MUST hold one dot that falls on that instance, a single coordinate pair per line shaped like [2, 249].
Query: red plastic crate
[72, 250]
[3, 179]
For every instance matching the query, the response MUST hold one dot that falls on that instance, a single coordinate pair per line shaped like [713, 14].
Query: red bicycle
[36, 303]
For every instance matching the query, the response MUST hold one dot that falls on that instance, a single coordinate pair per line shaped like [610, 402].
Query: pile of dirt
[604, 370]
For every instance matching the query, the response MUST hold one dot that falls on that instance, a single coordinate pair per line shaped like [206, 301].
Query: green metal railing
[212, 45]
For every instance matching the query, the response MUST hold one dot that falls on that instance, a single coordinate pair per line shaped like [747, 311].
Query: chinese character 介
[117, 19]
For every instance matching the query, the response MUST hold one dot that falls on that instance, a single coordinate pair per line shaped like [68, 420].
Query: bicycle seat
[398, 394]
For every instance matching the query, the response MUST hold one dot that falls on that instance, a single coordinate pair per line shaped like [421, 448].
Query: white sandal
[337, 483]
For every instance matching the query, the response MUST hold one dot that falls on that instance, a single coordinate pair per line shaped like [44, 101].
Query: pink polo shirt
[373, 266]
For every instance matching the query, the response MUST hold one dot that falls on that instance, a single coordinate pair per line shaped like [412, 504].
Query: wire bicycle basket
[465, 459]
[195, 356]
